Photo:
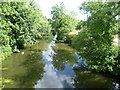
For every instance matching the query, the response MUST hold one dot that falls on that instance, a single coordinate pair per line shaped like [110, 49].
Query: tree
[94, 42]
[62, 23]
[22, 23]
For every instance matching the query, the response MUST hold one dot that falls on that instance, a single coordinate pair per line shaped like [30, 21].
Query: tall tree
[22, 23]
[62, 23]
[94, 42]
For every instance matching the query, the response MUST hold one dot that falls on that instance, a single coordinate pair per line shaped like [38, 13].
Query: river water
[54, 65]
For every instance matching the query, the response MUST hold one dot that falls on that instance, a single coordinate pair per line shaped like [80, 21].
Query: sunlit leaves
[62, 23]
[22, 24]
[95, 42]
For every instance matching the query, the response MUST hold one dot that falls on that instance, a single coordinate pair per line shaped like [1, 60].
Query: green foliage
[80, 25]
[94, 41]
[62, 23]
[22, 23]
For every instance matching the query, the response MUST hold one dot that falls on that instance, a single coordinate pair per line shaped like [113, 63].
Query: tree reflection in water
[24, 70]
[63, 55]
[91, 80]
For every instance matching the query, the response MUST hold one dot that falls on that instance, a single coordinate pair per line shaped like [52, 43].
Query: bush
[22, 24]
[95, 41]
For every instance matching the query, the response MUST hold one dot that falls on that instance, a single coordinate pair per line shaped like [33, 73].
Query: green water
[24, 69]
[51, 67]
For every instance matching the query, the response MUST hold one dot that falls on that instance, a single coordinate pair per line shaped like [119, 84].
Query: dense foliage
[22, 23]
[95, 40]
[80, 25]
[62, 23]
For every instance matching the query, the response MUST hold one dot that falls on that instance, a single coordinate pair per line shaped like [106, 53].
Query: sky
[70, 5]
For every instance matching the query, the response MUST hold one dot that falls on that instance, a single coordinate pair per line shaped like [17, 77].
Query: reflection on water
[53, 77]
[52, 66]
[48, 54]
[63, 56]
[24, 69]
[61, 61]
[56, 79]
[91, 80]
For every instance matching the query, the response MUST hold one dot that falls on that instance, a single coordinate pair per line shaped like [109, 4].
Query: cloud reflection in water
[56, 79]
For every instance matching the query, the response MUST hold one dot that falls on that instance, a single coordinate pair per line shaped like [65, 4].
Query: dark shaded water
[51, 66]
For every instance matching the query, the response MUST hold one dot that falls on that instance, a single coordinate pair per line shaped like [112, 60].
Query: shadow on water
[25, 69]
[91, 80]
[52, 66]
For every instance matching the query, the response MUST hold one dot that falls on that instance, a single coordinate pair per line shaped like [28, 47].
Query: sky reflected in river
[53, 78]
[59, 70]
[52, 66]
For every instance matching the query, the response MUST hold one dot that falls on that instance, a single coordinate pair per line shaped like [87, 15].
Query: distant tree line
[62, 23]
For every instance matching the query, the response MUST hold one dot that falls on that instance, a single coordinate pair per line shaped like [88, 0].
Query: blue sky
[70, 5]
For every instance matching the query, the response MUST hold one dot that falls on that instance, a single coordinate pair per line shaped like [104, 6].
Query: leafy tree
[22, 23]
[62, 23]
[94, 42]
[80, 25]
[73, 14]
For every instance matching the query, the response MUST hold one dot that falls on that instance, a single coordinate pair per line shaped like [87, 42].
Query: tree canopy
[22, 23]
[94, 41]
[62, 23]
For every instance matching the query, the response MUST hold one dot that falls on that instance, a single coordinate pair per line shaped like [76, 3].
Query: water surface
[54, 65]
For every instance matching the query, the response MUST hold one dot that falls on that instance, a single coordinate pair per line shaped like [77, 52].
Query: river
[54, 65]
